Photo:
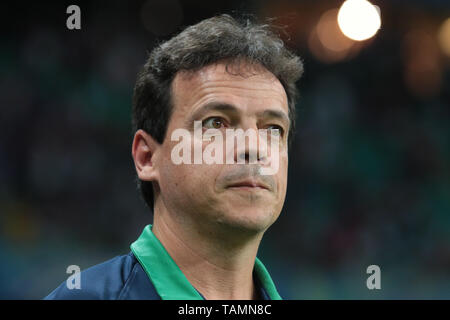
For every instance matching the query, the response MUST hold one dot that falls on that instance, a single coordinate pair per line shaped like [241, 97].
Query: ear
[145, 151]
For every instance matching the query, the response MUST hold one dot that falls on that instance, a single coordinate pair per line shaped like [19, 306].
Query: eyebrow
[282, 116]
[214, 106]
[229, 108]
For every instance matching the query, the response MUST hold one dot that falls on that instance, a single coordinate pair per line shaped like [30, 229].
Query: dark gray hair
[209, 41]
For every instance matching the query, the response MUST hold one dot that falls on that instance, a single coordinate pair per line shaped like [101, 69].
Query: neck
[218, 264]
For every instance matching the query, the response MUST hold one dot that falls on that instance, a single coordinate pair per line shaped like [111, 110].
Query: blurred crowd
[369, 178]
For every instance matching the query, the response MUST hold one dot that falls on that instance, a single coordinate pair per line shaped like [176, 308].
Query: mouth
[248, 185]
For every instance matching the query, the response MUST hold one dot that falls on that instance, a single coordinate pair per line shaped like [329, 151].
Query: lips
[251, 184]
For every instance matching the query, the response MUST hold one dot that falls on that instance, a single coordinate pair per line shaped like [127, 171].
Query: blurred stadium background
[369, 178]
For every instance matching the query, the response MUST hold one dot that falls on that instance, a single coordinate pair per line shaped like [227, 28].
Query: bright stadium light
[359, 19]
[444, 37]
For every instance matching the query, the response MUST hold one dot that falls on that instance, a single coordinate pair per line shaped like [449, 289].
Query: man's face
[232, 195]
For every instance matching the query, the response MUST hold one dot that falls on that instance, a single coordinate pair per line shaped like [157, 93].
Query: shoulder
[104, 281]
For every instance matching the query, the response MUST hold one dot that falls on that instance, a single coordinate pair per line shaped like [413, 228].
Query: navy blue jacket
[148, 272]
[121, 278]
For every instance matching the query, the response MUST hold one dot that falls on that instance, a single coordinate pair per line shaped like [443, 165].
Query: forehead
[242, 84]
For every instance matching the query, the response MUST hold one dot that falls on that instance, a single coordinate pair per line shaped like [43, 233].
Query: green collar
[169, 280]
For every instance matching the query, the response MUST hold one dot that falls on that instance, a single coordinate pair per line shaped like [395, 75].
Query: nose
[249, 148]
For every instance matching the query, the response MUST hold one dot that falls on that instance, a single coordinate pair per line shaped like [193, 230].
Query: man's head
[225, 74]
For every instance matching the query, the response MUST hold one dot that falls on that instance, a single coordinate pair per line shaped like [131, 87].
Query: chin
[253, 219]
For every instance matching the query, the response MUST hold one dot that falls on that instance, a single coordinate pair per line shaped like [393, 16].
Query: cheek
[282, 176]
[188, 182]
[189, 177]
[178, 185]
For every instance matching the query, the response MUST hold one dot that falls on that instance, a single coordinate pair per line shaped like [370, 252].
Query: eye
[214, 123]
[277, 130]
